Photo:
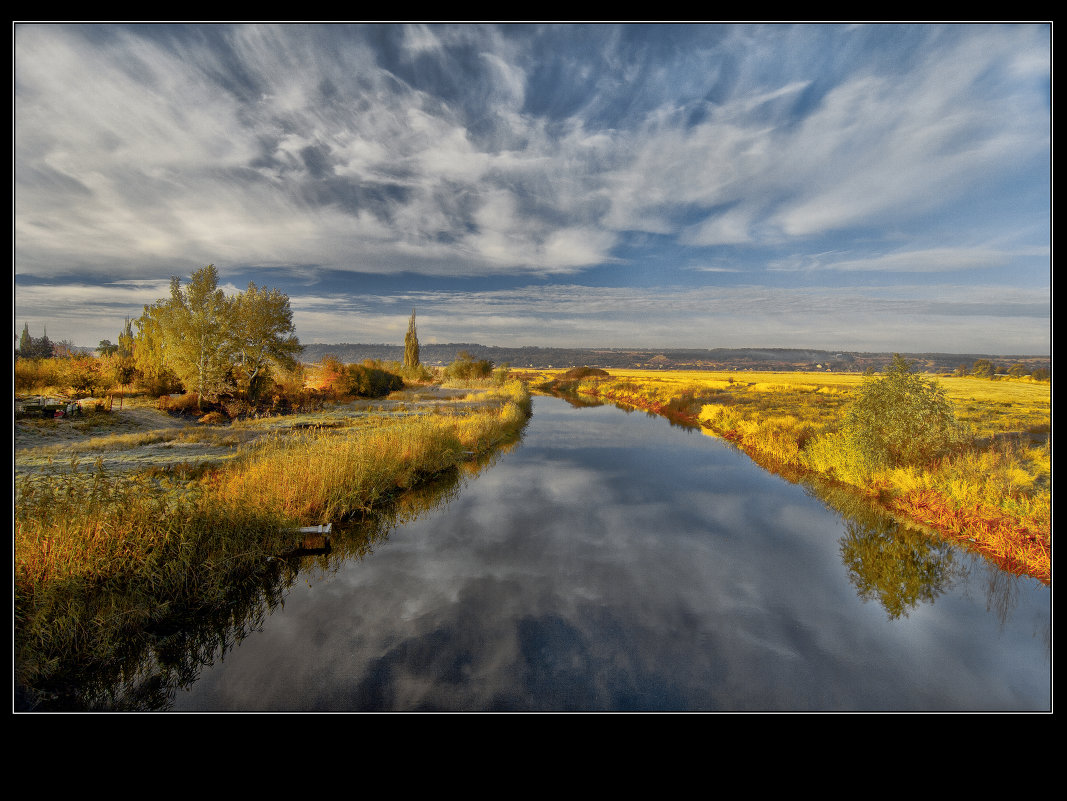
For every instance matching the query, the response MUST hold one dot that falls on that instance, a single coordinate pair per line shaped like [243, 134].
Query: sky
[875, 187]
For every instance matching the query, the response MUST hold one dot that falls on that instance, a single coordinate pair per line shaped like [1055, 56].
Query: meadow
[991, 494]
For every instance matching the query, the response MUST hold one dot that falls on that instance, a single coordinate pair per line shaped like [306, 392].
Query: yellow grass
[67, 522]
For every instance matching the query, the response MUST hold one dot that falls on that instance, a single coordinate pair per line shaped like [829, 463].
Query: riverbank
[992, 496]
[107, 548]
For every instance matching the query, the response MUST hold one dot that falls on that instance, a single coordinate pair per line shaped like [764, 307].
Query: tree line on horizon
[203, 342]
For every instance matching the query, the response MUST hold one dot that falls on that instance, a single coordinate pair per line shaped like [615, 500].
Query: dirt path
[42, 433]
[140, 436]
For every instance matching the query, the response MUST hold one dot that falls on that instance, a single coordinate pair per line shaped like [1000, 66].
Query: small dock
[311, 540]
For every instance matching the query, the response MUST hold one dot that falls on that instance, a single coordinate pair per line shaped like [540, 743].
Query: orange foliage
[1023, 547]
[326, 376]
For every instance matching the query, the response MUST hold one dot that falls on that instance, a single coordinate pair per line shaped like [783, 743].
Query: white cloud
[163, 152]
[912, 261]
[732, 227]
[420, 39]
[882, 147]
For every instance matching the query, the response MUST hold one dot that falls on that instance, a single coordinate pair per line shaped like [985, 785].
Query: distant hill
[667, 359]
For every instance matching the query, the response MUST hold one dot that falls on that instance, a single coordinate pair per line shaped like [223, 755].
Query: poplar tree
[25, 341]
[411, 345]
[122, 363]
[126, 340]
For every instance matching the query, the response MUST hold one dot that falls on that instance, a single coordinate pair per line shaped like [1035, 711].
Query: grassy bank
[992, 495]
[327, 473]
[101, 556]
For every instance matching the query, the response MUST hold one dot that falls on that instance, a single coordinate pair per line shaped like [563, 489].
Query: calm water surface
[612, 561]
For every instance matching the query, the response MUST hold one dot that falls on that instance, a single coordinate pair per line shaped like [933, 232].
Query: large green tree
[198, 346]
[262, 333]
[212, 343]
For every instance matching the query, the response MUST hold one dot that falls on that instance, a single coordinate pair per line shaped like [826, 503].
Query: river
[612, 561]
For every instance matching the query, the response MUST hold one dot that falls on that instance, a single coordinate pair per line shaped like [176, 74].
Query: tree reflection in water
[901, 567]
[896, 566]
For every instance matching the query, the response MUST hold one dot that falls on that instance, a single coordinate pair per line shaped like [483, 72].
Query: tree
[262, 331]
[105, 348]
[411, 345]
[35, 347]
[211, 343]
[1018, 370]
[65, 349]
[125, 346]
[83, 374]
[983, 368]
[149, 349]
[199, 342]
[120, 363]
[25, 341]
[901, 418]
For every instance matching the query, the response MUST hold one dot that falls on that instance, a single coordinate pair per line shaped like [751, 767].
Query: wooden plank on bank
[311, 540]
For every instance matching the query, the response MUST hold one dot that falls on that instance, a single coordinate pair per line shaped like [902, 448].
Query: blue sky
[854, 187]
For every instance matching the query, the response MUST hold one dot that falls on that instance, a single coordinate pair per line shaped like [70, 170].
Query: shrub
[237, 408]
[365, 381]
[902, 418]
[419, 374]
[179, 404]
[585, 372]
[465, 368]
[40, 376]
